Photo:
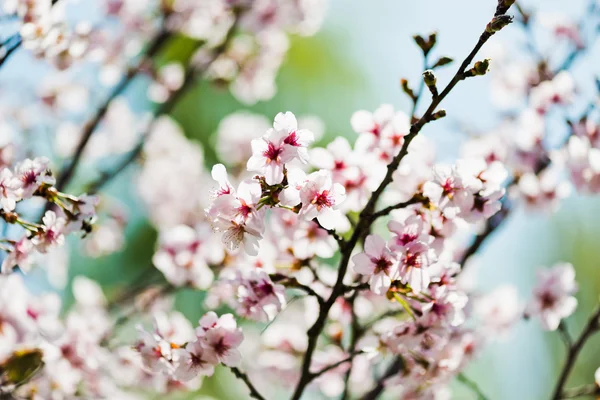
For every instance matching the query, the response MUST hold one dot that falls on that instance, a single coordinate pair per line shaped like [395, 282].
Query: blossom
[51, 234]
[33, 174]
[377, 262]
[194, 360]
[279, 146]
[20, 255]
[321, 198]
[237, 215]
[222, 337]
[451, 190]
[553, 297]
[415, 258]
[258, 297]
[10, 190]
[180, 259]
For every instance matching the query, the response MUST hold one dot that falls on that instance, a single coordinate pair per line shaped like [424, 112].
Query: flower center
[272, 153]
[382, 264]
[323, 199]
[292, 139]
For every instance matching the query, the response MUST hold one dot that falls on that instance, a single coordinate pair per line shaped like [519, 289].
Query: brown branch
[67, 174]
[393, 369]
[590, 328]
[165, 108]
[581, 391]
[366, 215]
[340, 241]
[242, 376]
[416, 199]
[335, 365]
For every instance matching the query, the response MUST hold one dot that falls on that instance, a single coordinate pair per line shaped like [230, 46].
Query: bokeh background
[356, 62]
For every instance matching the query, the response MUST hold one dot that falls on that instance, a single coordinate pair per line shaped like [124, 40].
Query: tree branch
[471, 385]
[580, 391]
[366, 216]
[590, 328]
[89, 128]
[242, 376]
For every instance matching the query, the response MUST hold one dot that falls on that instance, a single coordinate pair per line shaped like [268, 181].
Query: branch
[253, 392]
[336, 364]
[292, 283]
[366, 215]
[340, 241]
[89, 128]
[591, 327]
[414, 200]
[165, 108]
[471, 385]
[580, 391]
[563, 330]
[393, 369]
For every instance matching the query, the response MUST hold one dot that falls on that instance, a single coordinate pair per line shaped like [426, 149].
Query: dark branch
[242, 376]
[590, 328]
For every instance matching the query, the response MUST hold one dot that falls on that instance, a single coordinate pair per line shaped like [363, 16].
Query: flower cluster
[182, 358]
[32, 178]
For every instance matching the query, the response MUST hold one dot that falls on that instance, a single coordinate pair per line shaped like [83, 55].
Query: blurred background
[356, 62]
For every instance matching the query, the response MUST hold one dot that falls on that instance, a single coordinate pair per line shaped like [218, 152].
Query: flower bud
[481, 67]
[430, 81]
[497, 23]
[438, 115]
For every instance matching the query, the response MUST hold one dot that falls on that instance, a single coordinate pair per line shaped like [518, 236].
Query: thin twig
[590, 328]
[563, 330]
[336, 364]
[414, 200]
[581, 391]
[340, 241]
[395, 367]
[242, 376]
[471, 385]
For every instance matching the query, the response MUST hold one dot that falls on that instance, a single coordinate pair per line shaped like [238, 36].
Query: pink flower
[193, 361]
[553, 296]
[221, 337]
[452, 190]
[52, 232]
[279, 146]
[219, 174]
[20, 255]
[415, 259]
[10, 190]
[258, 297]
[377, 262]
[366, 122]
[155, 352]
[180, 259]
[411, 230]
[237, 216]
[33, 174]
[321, 198]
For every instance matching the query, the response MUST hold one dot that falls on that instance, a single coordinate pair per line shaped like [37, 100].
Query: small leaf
[442, 61]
